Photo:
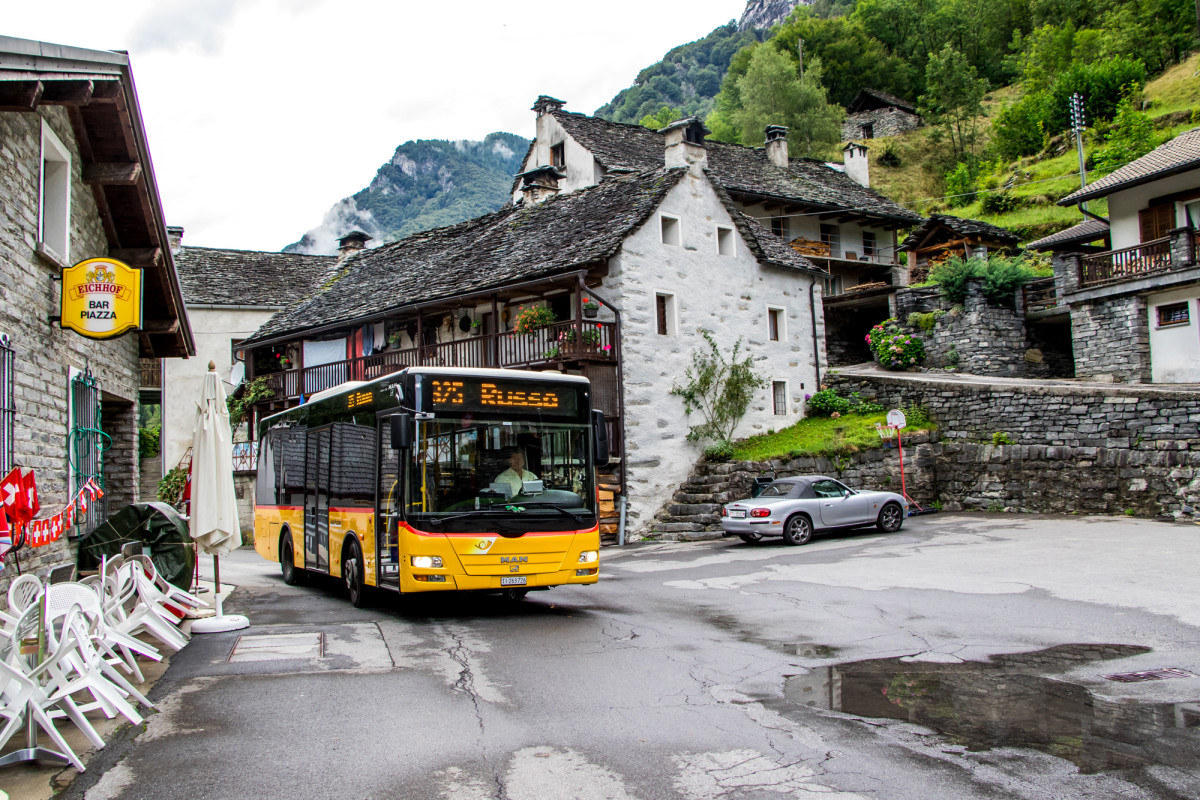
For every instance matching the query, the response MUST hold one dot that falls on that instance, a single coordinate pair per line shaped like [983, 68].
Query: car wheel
[352, 573]
[797, 530]
[891, 517]
[287, 564]
[750, 538]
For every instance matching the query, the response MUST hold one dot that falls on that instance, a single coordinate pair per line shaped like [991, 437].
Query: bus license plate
[513, 581]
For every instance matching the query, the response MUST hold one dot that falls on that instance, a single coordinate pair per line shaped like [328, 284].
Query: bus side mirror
[600, 437]
[401, 431]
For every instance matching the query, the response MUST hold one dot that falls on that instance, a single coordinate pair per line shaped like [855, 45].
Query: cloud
[202, 24]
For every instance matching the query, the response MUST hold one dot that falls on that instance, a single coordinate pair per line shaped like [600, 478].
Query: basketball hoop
[886, 432]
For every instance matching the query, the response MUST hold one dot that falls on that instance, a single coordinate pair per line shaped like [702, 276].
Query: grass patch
[1175, 90]
[822, 436]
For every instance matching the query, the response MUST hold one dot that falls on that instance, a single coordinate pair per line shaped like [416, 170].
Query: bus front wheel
[352, 572]
[287, 564]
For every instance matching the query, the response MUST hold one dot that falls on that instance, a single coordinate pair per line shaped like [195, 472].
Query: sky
[261, 114]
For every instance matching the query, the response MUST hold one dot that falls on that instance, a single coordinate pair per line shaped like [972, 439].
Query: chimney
[854, 156]
[685, 144]
[777, 145]
[175, 238]
[351, 243]
[539, 184]
[547, 105]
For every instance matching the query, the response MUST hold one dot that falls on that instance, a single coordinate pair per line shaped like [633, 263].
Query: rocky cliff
[762, 14]
[427, 183]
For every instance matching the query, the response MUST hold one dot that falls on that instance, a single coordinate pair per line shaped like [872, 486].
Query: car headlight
[588, 556]
[427, 562]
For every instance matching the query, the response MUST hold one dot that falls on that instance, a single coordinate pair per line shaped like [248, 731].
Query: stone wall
[886, 122]
[44, 352]
[1111, 339]
[1075, 448]
[983, 339]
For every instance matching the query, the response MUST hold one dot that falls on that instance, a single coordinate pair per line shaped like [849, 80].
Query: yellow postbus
[435, 479]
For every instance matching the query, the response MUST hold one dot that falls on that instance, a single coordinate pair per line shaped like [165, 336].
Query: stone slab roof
[1178, 155]
[1087, 231]
[248, 277]
[738, 169]
[962, 227]
[516, 244]
[867, 99]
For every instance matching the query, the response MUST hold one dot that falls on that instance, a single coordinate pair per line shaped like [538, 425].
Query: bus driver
[516, 473]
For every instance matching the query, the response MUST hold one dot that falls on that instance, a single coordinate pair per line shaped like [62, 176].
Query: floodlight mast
[1079, 125]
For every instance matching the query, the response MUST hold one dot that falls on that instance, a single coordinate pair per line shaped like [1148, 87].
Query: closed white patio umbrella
[214, 513]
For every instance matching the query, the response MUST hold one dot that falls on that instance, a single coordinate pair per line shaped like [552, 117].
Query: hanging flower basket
[533, 319]
[464, 323]
[590, 308]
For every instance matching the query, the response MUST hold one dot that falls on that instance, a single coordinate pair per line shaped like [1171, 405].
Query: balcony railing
[245, 456]
[150, 373]
[1130, 262]
[1039, 295]
[563, 341]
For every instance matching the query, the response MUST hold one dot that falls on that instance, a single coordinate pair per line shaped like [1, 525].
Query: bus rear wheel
[352, 573]
[287, 564]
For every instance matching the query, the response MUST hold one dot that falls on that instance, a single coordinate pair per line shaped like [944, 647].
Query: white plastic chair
[22, 592]
[172, 592]
[118, 647]
[127, 612]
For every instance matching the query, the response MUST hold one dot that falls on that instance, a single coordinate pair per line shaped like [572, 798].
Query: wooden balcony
[1131, 262]
[150, 373]
[562, 342]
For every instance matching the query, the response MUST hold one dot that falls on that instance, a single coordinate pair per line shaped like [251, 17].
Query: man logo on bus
[514, 559]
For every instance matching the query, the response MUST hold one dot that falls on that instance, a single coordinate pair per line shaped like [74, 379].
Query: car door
[839, 505]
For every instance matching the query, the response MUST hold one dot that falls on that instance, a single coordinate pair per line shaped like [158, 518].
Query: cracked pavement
[670, 678]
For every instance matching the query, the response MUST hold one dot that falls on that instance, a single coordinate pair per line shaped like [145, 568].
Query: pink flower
[835, 415]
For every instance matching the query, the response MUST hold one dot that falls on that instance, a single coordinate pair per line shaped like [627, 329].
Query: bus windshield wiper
[556, 507]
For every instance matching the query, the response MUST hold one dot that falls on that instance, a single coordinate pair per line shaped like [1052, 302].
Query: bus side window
[264, 488]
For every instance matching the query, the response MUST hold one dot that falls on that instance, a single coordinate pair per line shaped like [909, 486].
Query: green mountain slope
[687, 78]
[427, 183]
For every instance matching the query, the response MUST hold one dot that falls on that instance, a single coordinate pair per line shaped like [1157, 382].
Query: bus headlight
[588, 556]
[427, 562]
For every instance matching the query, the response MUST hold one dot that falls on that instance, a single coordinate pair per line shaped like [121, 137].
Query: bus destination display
[480, 396]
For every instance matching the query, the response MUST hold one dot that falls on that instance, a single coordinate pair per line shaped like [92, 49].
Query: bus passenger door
[387, 518]
[316, 501]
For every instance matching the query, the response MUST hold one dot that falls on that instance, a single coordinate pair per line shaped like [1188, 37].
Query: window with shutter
[1156, 221]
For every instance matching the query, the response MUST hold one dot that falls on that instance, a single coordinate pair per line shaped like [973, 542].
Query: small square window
[774, 324]
[664, 314]
[1173, 314]
[724, 241]
[779, 397]
[558, 155]
[670, 231]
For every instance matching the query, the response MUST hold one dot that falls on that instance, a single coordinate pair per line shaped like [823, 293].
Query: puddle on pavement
[1009, 702]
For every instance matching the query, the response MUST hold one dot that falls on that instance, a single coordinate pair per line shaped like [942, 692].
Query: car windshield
[777, 489]
[470, 472]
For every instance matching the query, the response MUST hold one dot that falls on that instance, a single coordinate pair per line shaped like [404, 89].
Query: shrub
[924, 320]
[149, 441]
[170, 488]
[1001, 278]
[721, 451]
[828, 403]
[893, 348]
[533, 319]
[719, 388]
[1001, 438]
[1131, 136]
[890, 156]
[953, 274]
[998, 202]
[960, 185]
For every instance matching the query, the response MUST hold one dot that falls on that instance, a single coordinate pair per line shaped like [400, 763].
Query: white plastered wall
[581, 167]
[728, 295]
[214, 328]
[1175, 349]
[1123, 207]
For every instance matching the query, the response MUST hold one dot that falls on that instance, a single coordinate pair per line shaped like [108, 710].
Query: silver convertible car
[795, 508]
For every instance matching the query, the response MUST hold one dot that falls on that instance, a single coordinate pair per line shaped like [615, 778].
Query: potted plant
[285, 362]
[394, 340]
[590, 308]
[591, 337]
[532, 319]
[476, 326]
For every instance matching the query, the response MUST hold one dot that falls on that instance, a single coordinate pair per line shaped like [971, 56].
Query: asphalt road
[697, 671]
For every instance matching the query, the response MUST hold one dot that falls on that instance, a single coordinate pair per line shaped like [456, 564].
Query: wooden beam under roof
[112, 174]
[68, 93]
[20, 95]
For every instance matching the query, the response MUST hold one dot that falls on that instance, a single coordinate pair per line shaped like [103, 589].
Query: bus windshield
[474, 474]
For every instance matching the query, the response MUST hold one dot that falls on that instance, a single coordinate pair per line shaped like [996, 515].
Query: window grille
[86, 444]
[779, 397]
[8, 404]
[1173, 314]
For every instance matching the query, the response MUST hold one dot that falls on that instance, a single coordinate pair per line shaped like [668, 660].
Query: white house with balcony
[1135, 305]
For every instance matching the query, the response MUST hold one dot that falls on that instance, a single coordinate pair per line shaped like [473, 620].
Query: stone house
[826, 212]
[942, 236]
[874, 113]
[76, 182]
[656, 239]
[229, 294]
[1134, 305]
